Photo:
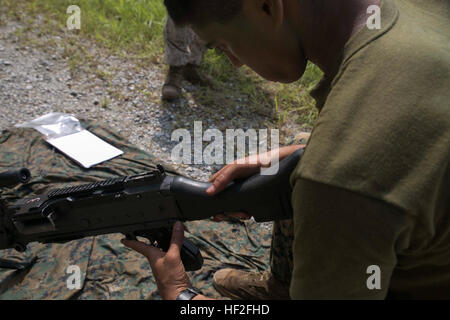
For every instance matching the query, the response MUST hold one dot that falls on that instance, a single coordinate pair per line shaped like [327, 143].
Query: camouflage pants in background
[281, 256]
[182, 46]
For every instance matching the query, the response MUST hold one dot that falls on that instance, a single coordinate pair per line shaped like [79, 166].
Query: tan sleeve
[342, 239]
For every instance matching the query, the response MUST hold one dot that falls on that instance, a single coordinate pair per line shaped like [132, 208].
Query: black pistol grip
[191, 256]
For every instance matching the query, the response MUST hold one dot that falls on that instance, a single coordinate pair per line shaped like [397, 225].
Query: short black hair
[202, 12]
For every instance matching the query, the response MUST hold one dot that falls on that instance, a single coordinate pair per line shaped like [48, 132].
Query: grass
[134, 28]
[116, 24]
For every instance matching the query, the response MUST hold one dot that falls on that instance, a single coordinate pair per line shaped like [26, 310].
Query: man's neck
[325, 26]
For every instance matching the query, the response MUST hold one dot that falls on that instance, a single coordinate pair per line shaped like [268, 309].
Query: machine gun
[145, 205]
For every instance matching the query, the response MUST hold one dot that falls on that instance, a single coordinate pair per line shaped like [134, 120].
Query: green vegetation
[117, 24]
[134, 28]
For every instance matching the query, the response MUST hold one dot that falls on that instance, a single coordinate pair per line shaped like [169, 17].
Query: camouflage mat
[108, 269]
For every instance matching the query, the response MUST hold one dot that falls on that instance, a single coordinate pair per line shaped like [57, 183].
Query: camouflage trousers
[182, 46]
[281, 256]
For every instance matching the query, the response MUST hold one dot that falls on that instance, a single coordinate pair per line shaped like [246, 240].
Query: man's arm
[341, 239]
[168, 269]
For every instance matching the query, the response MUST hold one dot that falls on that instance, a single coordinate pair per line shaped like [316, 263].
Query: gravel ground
[36, 79]
[34, 82]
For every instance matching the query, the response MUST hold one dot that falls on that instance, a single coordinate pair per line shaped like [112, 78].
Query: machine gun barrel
[12, 178]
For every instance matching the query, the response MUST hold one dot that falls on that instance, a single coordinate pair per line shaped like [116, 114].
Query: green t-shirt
[372, 190]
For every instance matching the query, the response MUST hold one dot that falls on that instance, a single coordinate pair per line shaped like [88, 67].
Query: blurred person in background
[183, 52]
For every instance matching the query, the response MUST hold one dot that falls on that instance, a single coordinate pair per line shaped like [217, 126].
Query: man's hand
[167, 268]
[249, 166]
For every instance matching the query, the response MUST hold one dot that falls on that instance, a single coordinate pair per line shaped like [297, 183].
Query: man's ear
[273, 9]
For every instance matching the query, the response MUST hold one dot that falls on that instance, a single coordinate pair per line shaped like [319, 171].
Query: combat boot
[244, 285]
[172, 86]
[190, 73]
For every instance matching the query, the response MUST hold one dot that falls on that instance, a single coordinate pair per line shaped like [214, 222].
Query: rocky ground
[38, 75]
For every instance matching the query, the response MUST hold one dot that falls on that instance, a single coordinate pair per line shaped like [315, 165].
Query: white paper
[85, 148]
